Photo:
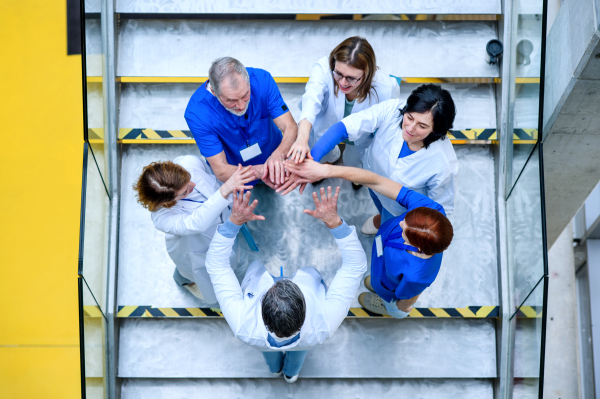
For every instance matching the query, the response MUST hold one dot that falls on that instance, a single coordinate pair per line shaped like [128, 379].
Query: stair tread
[160, 106]
[271, 388]
[310, 7]
[403, 48]
[150, 348]
[145, 269]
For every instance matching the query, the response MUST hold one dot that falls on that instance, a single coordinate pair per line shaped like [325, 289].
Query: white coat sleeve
[226, 285]
[314, 94]
[442, 188]
[370, 119]
[182, 224]
[345, 284]
[395, 90]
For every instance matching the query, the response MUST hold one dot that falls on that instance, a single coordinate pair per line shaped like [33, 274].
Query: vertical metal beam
[110, 92]
[505, 328]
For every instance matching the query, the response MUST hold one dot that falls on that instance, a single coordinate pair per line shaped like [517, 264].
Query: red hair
[428, 230]
[159, 183]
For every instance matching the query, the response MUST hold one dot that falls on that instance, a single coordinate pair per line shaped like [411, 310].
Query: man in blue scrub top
[238, 117]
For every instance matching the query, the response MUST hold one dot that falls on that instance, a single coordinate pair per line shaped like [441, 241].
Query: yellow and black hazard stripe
[144, 134]
[151, 134]
[530, 312]
[147, 135]
[91, 311]
[469, 312]
[149, 311]
[473, 134]
[525, 134]
[95, 134]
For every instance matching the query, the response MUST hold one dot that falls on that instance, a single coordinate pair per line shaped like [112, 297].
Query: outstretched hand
[243, 211]
[309, 169]
[238, 180]
[326, 208]
[291, 183]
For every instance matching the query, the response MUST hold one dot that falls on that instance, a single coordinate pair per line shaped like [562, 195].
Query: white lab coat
[322, 108]
[189, 226]
[432, 171]
[325, 309]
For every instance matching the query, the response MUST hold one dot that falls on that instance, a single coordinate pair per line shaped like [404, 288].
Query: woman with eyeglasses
[344, 83]
[409, 146]
[187, 203]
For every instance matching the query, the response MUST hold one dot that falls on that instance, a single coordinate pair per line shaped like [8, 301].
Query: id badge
[379, 246]
[250, 152]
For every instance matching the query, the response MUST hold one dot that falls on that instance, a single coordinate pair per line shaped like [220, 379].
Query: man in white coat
[284, 318]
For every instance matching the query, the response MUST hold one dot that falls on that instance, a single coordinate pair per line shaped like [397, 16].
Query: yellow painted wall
[40, 180]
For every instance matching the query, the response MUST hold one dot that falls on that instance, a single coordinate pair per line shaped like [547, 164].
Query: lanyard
[244, 128]
[191, 200]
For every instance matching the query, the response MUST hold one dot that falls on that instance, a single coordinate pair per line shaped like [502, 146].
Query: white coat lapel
[340, 103]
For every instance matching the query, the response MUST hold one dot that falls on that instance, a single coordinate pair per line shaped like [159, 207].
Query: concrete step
[309, 7]
[271, 388]
[369, 348]
[93, 47]
[160, 106]
[92, 6]
[289, 48]
[468, 276]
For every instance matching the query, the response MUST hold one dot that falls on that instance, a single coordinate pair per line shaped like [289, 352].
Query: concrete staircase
[164, 52]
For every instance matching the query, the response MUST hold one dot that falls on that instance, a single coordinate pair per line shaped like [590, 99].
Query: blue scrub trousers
[290, 362]
[180, 280]
[385, 215]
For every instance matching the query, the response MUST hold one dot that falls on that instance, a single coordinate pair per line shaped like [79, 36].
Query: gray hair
[283, 309]
[225, 68]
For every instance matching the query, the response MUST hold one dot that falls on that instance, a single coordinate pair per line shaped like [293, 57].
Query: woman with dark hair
[344, 83]
[187, 203]
[407, 250]
[409, 147]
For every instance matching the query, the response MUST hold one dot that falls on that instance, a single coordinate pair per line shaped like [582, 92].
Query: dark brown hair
[158, 184]
[357, 53]
[428, 230]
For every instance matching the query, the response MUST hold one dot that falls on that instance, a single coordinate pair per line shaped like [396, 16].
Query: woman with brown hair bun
[187, 204]
[407, 250]
[345, 82]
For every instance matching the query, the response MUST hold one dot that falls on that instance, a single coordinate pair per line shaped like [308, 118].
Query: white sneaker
[290, 380]
[277, 374]
[369, 227]
[193, 288]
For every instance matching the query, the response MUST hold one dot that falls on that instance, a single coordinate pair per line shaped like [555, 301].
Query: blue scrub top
[215, 129]
[398, 274]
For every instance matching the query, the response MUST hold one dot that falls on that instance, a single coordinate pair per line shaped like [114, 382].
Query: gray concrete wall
[571, 111]
[561, 379]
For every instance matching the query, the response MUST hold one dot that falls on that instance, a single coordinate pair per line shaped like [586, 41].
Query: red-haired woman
[407, 250]
[187, 204]
[343, 83]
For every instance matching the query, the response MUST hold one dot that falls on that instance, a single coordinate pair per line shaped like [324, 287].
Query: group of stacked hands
[247, 136]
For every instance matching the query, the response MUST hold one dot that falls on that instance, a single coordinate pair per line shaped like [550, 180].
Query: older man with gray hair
[283, 318]
[239, 117]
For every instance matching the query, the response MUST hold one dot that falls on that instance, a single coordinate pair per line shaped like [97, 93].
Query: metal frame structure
[506, 325]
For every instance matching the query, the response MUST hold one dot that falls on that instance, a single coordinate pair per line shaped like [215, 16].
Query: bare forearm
[290, 133]
[224, 171]
[375, 182]
[304, 128]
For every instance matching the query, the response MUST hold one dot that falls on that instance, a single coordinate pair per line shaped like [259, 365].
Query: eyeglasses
[339, 76]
